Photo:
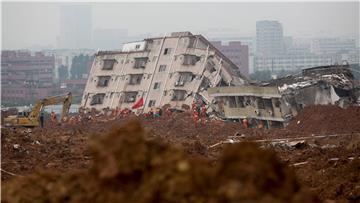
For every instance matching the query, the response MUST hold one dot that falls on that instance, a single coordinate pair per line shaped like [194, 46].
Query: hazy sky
[29, 24]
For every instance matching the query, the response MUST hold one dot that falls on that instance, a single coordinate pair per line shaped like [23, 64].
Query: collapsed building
[277, 101]
[170, 70]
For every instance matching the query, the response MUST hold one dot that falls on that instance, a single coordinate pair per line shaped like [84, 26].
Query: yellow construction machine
[31, 119]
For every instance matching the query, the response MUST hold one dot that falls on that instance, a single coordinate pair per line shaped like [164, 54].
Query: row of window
[258, 102]
[140, 62]
[130, 97]
[14, 91]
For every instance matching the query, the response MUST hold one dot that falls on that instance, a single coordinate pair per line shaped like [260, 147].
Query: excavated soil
[327, 119]
[127, 168]
[169, 159]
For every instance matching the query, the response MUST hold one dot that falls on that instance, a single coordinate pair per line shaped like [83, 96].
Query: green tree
[63, 73]
[80, 65]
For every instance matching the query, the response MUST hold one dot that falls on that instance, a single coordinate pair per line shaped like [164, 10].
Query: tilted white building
[165, 70]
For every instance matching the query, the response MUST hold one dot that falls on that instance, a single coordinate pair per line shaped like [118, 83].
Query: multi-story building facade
[333, 46]
[237, 53]
[293, 62]
[170, 70]
[269, 38]
[25, 77]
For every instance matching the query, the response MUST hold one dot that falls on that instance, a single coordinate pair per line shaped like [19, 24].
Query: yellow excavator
[31, 119]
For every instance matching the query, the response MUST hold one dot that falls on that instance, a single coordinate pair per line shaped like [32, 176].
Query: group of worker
[121, 113]
[252, 124]
[157, 113]
[199, 114]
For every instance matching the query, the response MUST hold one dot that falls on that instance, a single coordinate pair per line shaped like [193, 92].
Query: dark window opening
[240, 102]
[151, 103]
[277, 103]
[103, 81]
[179, 95]
[135, 79]
[167, 51]
[184, 77]
[130, 97]
[108, 64]
[260, 103]
[190, 59]
[140, 62]
[162, 68]
[97, 99]
[231, 102]
[157, 85]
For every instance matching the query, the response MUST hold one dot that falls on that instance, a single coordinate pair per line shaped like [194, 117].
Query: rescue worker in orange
[245, 123]
[261, 125]
[195, 117]
[193, 105]
[72, 120]
[53, 116]
[168, 112]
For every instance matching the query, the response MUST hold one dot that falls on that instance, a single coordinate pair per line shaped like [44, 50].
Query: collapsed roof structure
[277, 101]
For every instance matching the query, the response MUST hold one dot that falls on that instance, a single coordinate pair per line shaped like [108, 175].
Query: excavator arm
[33, 119]
[65, 99]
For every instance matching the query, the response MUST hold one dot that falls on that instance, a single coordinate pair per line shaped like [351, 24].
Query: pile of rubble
[127, 168]
[327, 119]
[322, 149]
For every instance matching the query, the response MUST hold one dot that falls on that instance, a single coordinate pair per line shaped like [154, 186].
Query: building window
[260, 103]
[162, 68]
[184, 77]
[151, 103]
[135, 79]
[157, 85]
[130, 97]
[108, 64]
[140, 62]
[167, 51]
[103, 81]
[190, 59]
[240, 102]
[179, 95]
[97, 99]
[137, 46]
[232, 102]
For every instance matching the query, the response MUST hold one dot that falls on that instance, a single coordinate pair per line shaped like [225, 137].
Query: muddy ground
[318, 159]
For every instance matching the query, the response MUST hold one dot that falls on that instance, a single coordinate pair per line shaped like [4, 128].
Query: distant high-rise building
[75, 27]
[237, 53]
[269, 37]
[109, 38]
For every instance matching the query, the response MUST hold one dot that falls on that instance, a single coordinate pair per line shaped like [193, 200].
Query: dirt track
[327, 166]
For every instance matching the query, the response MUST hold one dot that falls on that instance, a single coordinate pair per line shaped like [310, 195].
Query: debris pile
[150, 161]
[127, 168]
[327, 119]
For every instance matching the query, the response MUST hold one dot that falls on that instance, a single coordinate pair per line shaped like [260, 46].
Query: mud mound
[24, 151]
[327, 119]
[128, 168]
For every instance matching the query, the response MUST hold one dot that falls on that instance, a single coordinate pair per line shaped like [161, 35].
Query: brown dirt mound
[128, 168]
[327, 119]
